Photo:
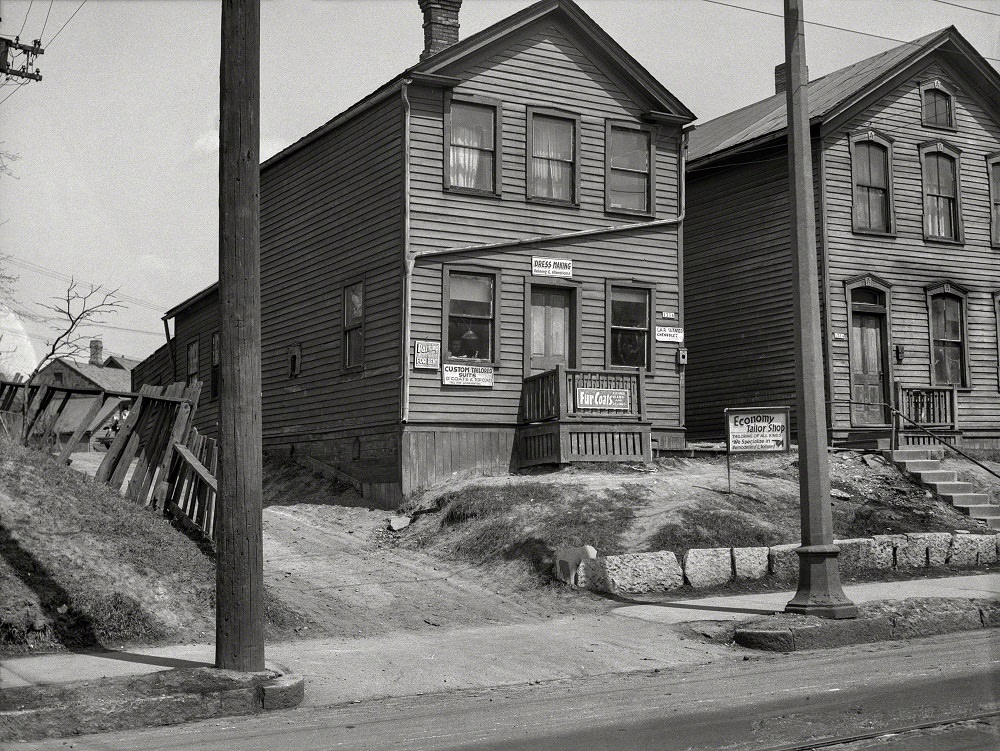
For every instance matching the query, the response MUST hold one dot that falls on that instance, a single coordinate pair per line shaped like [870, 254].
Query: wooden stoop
[924, 466]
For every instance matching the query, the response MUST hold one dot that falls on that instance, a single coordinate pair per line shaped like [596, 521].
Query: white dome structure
[17, 352]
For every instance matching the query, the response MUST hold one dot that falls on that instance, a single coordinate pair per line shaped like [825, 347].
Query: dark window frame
[529, 188]
[940, 86]
[949, 289]
[936, 148]
[216, 361]
[650, 288]
[576, 288]
[993, 176]
[496, 105]
[349, 327]
[996, 318]
[651, 132]
[192, 375]
[885, 142]
[294, 359]
[496, 327]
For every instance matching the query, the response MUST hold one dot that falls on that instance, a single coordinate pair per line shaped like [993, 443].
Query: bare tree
[6, 159]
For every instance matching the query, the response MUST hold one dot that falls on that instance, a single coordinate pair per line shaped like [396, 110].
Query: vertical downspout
[682, 144]
[408, 260]
[170, 348]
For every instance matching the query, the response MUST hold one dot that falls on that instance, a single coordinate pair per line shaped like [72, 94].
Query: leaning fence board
[82, 428]
[162, 438]
[114, 455]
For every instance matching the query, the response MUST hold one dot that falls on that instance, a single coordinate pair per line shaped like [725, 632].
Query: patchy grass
[82, 567]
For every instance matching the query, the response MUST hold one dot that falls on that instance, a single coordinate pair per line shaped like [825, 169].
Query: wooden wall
[737, 289]
[545, 68]
[197, 323]
[908, 262]
[332, 215]
[155, 370]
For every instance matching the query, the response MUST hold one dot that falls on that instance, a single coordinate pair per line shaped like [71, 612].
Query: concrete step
[914, 453]
[919, 465]
[936, 475]
[986, 511]
[949, 488]
[966, 499]
[993, 522]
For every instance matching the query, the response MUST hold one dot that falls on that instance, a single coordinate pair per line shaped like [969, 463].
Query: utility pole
[819, 591]
[239, 627]
[32, 51]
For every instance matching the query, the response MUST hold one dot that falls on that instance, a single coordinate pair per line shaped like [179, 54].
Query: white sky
[117, 177]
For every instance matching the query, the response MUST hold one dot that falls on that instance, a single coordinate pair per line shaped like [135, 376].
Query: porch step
[949, 488]
[919, 465]
[986, 511]
[930, 477]
[959, 500]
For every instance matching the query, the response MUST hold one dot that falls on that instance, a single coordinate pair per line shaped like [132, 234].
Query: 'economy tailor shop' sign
[757, 429]
[551, 266]
[602, 399]
[466, 375]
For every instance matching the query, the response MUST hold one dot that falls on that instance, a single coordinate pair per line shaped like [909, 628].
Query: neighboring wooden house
[478, 265]
[191, 354]
[906, 149]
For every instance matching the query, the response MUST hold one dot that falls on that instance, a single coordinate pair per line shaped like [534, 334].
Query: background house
[906, 150]
[478, 265]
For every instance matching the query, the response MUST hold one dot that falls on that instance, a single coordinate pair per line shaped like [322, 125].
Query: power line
[966, 7]
[828, 25]
[26, 14]
[46, 19]
[65, 24]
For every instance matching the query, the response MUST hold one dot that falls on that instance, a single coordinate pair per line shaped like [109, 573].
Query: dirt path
[335, 565]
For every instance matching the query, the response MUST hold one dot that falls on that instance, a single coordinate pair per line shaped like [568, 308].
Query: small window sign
[453, 374]
[669, 334]
[753, 429]
[552, 267]
[426, 355]
[839, 336]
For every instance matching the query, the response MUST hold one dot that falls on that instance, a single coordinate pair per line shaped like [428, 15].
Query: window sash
[941, 195]
[553, 157]
[471, 316]
[192, 361]
[472, 151]
[354, 331]
[947, 338]
[937, 108]
[629, 330]
[629, 170]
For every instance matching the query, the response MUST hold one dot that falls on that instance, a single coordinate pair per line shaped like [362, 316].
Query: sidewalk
[629, 637]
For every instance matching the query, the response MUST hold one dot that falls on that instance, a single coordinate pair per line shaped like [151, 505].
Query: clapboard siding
[545, 69]
[909, 263]
[737, 289]
[155, 370]
[332, 215]
[197, 323]
[647, 255]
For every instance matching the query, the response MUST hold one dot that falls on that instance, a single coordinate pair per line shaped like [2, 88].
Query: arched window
[938, 105]
[942, 191]
[946, 304]
[871, 168]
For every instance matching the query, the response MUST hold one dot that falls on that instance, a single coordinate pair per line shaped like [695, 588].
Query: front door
[551, 327]
[868, 386]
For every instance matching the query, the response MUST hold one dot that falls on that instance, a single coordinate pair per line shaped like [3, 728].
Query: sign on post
[757, 429]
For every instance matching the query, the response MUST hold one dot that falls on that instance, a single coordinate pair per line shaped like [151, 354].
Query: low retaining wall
[635, 573]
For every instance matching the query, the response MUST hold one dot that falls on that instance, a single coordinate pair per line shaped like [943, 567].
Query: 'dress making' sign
[756, 429]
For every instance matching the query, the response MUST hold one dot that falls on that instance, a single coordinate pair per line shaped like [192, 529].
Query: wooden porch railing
[566, 394]
[929, 407]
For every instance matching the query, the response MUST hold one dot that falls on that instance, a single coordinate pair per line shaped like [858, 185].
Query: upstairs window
[871, 167]
[470, 303]
[993, 167]
[942, 193]
[629, 342]
[354, 325]
[938, 104]
[192, 361]
[629, 169]
[553, 163]
[949, 356]
[471, 134]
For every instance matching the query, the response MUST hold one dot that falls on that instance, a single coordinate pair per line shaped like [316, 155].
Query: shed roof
[836, 92]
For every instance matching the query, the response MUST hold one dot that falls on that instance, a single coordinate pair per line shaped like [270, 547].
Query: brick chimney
[96, 352]
[440, 25]
[781, 78]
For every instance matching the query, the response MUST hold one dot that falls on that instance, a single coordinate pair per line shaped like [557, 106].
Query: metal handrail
[918, 426]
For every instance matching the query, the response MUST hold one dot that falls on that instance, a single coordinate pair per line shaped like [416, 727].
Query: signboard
[453, 374]
[427, 355]
[760, 429]
[669, 334]
[608, 399]
[551, 266]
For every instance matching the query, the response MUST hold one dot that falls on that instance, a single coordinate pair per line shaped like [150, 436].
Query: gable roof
[120, 361]
[840, 91]
[106, 379]
[436, 69]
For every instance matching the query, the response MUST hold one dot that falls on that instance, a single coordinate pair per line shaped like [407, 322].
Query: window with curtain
[472, 151]
[938, 109]
[354, 325]
[941, 218]
[872, 176]
[629, 169]
[192, 361]
[628, 331]
[471, 310]
[947, 339]
[552, 172]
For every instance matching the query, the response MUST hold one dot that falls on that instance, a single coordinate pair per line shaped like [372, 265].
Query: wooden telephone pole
[819, 591]
[239, 627]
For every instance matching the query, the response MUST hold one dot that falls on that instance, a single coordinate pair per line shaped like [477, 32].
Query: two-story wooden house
[478, 265]
[906, 152]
